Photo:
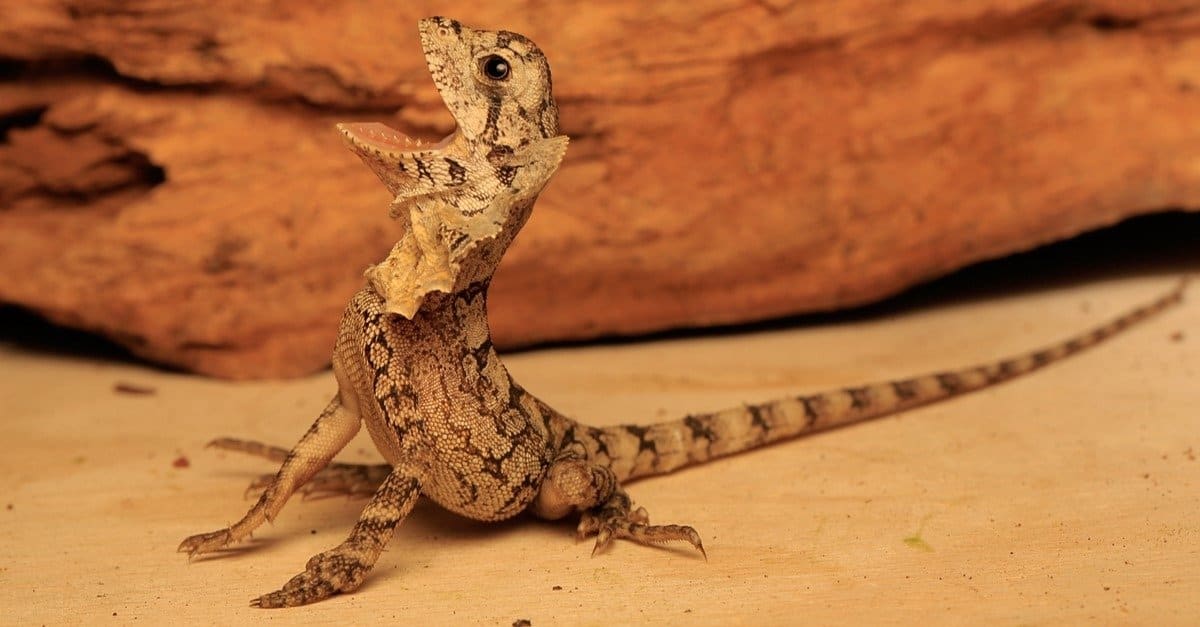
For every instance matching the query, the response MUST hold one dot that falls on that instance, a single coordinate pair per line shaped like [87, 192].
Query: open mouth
[374, 137]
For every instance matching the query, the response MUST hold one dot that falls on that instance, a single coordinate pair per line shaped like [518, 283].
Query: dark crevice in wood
[90, 66]
[20, 118]
[1109, 22]
[101, 69]
[139, 173]
[149, 173]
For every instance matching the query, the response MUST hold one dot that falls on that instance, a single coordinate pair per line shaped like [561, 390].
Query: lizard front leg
[343, 568]
[332, 430]
[574, 484]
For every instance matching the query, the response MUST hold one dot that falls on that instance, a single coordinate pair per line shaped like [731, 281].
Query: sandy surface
[1069, 495]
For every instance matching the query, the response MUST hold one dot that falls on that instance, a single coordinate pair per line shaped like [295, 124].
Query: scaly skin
[414, 359]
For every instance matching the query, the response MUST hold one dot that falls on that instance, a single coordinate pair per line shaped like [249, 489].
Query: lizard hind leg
[336, 479]
[573, 484]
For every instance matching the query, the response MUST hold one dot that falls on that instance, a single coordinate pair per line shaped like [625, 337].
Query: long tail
[668, 446]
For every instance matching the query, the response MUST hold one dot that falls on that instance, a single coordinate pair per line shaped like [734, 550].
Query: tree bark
[169, 175]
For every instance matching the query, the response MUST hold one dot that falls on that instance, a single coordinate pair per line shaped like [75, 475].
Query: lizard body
[415, 363]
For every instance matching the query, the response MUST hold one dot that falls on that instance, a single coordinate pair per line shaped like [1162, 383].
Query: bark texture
[169, 175]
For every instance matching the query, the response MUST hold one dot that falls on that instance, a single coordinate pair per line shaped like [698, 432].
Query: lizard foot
[609, 523]
[338, 570]
[343, 568]
[202, 543]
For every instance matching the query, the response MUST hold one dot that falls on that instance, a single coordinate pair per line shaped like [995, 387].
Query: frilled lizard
[414, 360]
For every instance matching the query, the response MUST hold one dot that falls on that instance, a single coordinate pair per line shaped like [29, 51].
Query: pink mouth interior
[384, 137]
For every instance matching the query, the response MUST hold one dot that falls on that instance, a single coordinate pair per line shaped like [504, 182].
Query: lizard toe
[634, 525]
[325, 574]
[205, 542]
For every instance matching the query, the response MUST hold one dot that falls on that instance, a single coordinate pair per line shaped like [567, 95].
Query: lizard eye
[496, 68]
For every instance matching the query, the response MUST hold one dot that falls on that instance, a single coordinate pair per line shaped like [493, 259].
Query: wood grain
[169, 176]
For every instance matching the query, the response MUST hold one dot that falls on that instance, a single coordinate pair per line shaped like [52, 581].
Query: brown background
[169, 176]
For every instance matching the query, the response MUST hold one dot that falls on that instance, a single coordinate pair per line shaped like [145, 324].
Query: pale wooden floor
[1070, 495]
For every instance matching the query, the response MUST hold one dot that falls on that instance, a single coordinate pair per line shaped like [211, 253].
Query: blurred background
[170, 177]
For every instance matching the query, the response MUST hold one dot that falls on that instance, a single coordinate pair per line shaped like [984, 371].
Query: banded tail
[697, 438]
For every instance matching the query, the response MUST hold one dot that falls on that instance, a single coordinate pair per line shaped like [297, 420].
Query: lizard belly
[486, 450]
[446, 408]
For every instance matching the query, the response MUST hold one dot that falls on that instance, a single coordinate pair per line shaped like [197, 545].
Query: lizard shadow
[336, 515]
[427, 521]
[244, 548]
[431, 523]
[429, 518]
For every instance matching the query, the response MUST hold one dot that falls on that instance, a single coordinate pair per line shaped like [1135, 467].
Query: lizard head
[496, 84]
[497, 87]
[464, 197]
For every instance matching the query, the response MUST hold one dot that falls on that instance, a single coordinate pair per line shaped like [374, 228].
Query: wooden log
[169, 175]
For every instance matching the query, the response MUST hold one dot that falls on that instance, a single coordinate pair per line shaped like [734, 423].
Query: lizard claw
[603, 539]
[202, 543]
[610, 524]
[326, 574]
